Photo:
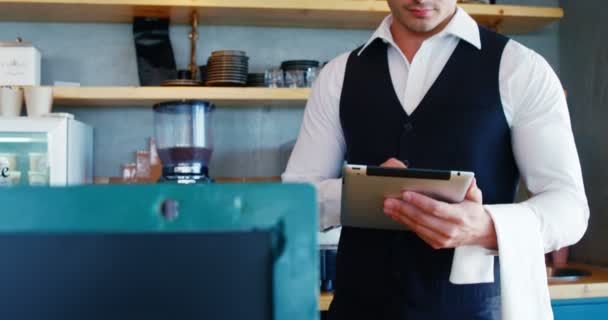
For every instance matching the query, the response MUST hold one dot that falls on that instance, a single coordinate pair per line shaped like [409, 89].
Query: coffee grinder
[183, 133]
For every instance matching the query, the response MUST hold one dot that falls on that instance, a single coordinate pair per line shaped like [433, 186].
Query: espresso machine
[183, 131]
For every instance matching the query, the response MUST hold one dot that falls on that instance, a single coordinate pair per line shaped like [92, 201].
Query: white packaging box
[19, 64]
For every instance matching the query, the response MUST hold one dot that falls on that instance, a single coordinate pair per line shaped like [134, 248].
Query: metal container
[566, 274]
[19, 64]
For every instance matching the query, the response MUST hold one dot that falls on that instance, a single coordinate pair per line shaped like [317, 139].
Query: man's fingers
[393, 163]
[432, 238]
[474, 193]
[431, 206]
[416, 215]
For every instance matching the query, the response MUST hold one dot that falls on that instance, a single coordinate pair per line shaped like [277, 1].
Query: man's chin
[422, 27]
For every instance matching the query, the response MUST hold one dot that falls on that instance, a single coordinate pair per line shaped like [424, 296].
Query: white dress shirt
[535, 108]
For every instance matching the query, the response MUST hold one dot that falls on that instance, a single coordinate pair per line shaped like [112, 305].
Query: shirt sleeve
[318, 154]
[544, 149]
[556, 214]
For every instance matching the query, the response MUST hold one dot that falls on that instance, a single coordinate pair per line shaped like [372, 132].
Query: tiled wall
[584, 70]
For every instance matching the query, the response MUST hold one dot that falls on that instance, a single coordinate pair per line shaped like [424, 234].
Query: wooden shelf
[513, 19]
[292, 13]
[148, 96]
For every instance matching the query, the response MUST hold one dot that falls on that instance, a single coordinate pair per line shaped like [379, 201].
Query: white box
[19, 64]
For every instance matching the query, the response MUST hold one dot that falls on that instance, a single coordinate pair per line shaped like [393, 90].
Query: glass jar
[183, 132]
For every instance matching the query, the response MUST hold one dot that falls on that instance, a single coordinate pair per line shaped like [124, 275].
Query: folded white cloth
[523, 277]
[472, 264]
[330, 237]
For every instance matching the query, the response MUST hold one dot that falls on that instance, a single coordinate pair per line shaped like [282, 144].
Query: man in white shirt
[433, 89]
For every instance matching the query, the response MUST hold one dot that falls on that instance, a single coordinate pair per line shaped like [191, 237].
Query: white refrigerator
[45, 151]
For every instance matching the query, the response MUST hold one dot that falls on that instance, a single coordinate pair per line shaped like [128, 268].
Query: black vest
[459, 125]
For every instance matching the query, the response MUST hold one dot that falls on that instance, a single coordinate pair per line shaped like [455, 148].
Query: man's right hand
[393, 163]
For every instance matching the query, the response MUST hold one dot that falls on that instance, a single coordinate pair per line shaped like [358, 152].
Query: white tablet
[364, 189]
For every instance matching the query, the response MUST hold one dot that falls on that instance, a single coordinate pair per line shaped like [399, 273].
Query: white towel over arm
[554, 217]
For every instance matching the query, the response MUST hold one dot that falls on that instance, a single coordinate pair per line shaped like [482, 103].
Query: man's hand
[393, 163]
[444, 225]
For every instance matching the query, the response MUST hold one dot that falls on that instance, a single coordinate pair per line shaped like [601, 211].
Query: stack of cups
[38, 101]
[39, 169]
[38, 175]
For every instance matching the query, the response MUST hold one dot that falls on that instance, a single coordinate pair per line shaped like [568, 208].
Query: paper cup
[37, 178]
[5, 181]
[13, 179]
[8, 160]
[38, 162]
[11, 102]
[38, 100]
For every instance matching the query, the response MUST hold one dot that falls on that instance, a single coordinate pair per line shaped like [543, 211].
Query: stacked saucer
[184, 79]
[227, 68]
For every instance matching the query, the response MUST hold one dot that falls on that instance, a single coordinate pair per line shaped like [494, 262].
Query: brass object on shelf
[193, 36]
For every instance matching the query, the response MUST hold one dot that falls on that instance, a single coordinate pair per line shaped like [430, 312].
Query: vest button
[408, 127]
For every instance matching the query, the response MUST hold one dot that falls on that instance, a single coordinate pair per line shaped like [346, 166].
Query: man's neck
[410, 41]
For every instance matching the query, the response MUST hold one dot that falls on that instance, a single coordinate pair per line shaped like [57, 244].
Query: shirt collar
[461, 26]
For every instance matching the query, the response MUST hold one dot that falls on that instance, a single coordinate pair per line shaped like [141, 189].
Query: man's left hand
[445, 225]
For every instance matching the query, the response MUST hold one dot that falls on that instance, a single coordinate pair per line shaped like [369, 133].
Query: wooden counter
[594, 286]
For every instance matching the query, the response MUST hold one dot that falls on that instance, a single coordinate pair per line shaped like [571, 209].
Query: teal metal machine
[288, 210]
